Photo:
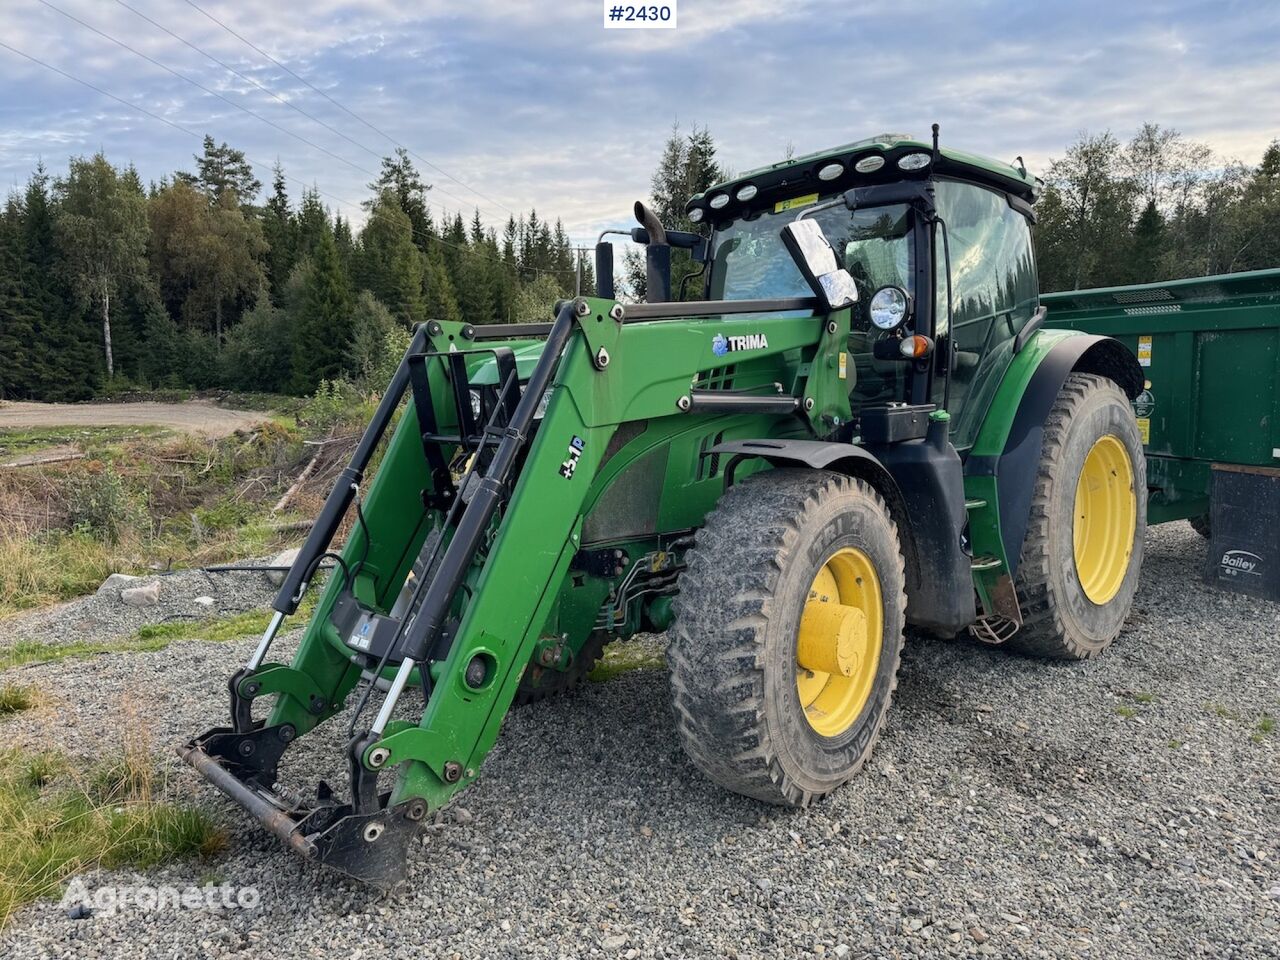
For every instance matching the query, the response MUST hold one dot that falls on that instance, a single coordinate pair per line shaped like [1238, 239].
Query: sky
[512, 104]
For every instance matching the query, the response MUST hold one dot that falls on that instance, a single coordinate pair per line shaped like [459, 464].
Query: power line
[212, 93]
[346, 110]
[267, 90]
[257, 163]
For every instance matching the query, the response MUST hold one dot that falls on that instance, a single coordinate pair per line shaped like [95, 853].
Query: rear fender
[1001, 468]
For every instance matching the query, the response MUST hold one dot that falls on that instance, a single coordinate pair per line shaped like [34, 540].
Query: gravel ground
[1014, 808]
[102, 617]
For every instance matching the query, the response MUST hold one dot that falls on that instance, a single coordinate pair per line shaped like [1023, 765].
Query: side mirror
[812, 252]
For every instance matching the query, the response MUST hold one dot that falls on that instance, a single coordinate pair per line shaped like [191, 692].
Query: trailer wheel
[1083, 551]
[788, 634]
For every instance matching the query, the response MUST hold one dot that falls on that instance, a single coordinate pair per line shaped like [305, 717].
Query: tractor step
[987, 563]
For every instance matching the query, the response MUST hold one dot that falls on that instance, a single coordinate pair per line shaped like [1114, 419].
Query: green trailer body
[1210, 352]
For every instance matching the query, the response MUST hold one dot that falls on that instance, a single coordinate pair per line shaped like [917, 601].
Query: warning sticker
[1144, 351]
[1144, 430]
[844, 366]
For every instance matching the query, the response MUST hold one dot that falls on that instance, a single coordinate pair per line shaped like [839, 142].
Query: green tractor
[862, 425]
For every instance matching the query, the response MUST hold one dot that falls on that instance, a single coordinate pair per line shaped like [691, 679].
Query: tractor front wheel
[788, 634]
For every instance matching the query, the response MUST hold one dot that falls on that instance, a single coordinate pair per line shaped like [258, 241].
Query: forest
[203, 280]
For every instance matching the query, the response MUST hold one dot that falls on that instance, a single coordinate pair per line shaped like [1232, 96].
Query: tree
[206, 255]
[687, 167]
[1086, 215]
[391, 266]
[280, 233]
[400, 177]
[222, 169]
[322, 327]
[102, 231]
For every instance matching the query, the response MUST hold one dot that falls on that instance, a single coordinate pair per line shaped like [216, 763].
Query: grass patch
[1142, 697]
[1175, 744]
[17, 443]
[1218, 710]
[15, 699]
[623, 657]
[157, 636]
[1266, 726]
[46, 569]
[1127, 712]
[53, 826]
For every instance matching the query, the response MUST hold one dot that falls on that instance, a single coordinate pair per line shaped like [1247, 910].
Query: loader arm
[509, 517]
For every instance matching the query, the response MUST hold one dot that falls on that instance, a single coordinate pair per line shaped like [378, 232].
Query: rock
[462, 815]
[841, 951]
[147, 595]
[117, 582]
[79, 911]
[204, 601]
[283, 559]
[979, 935]
[616, 942]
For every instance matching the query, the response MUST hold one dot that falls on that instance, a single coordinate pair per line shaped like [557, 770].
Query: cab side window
[993, 291]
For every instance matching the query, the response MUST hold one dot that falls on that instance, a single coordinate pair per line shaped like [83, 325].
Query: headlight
[913, 161]
[746, 193]
[696, 214]
[475, 404]
[869, 164]
[719, 201]
[831, 171]
[888, 308]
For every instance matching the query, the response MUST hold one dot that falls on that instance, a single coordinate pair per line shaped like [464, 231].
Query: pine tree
[222, 168]
[401, 178]
[280, 233]
[322, 329]
[391, 265]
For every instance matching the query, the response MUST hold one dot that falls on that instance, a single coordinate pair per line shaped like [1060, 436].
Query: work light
[831, 171]
[889, 308]
[745, 193]
[869, 164]
[719, 201]
[913, 161]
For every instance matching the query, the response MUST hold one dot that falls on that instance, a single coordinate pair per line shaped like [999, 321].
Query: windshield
[874, 244]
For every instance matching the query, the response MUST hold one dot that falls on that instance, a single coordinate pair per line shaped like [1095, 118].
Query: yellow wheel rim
[838, 645]
[1106, 515]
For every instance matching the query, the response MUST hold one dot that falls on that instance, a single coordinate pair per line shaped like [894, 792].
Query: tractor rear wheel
[788, 634]
[1083, 551]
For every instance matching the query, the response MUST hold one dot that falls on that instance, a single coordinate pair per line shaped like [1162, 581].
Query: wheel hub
[1105, 518]
[838, 642]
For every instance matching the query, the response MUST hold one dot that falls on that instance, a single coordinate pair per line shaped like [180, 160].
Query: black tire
[734, 642]
[541, 683]
[1060, 621]
[1202, 526]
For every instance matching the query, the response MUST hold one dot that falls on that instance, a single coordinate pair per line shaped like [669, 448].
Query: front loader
[861, 426]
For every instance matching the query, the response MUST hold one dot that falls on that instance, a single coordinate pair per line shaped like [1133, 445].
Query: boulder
[117, 582]
[283, 559]
[147, 595]
[204, 601]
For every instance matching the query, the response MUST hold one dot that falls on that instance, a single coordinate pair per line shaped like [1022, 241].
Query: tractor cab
[937, 243]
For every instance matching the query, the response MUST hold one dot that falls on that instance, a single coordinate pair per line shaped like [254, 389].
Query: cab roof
[798, 177]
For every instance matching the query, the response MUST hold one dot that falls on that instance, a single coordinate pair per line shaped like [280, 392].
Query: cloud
[537, 105]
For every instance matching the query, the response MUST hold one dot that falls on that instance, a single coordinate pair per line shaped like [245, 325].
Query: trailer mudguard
[1000, 469]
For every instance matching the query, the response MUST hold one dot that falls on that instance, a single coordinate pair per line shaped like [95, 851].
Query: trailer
[1209, 348]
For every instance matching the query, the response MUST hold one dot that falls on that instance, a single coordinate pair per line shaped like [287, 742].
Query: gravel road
[1126, 807]
[194, 416]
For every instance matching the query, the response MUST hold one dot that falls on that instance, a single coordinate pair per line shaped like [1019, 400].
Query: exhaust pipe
[657, 259]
